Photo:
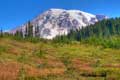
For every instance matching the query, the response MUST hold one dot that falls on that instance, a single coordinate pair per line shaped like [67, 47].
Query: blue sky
[16, 12]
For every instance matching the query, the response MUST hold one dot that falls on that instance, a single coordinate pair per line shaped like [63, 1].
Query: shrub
[40, 53]
[22, 74]
[23, 58]
[2, 49]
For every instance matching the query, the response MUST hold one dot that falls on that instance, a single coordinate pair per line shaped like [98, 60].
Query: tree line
[104, 28]
[100, 32]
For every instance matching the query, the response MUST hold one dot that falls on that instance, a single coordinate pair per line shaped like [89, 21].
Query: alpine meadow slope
[62, 45]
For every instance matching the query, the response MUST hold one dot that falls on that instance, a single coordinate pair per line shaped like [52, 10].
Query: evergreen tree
[19, 33]
[30, 29]
[26, 31]
[37, 31]
[1, 33]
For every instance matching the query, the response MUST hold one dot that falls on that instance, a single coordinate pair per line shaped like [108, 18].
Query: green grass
[79, 60]
[108, 42]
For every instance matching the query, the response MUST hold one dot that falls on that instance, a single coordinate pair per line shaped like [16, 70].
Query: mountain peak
[56, 22]
[56, 9]
[101, 17]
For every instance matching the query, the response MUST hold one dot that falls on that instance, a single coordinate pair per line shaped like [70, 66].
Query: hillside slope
[23, 60]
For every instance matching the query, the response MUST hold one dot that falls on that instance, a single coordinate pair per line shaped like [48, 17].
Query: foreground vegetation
[47, 60]
[92, 53]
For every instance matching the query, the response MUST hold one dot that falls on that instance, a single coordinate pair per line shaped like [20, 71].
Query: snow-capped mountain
[101, 17]
[56, 22]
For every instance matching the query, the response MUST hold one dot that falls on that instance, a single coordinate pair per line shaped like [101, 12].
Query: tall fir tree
[1, 33]
[30, 29]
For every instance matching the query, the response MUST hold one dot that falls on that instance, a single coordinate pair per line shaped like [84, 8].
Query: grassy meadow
[24, 60]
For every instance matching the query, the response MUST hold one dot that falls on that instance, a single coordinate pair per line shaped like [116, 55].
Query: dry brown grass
[55, 63]
[37, 60]
[14, 51]
[35, 72]
[82, 65]
[112, 66]
[9, 70]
